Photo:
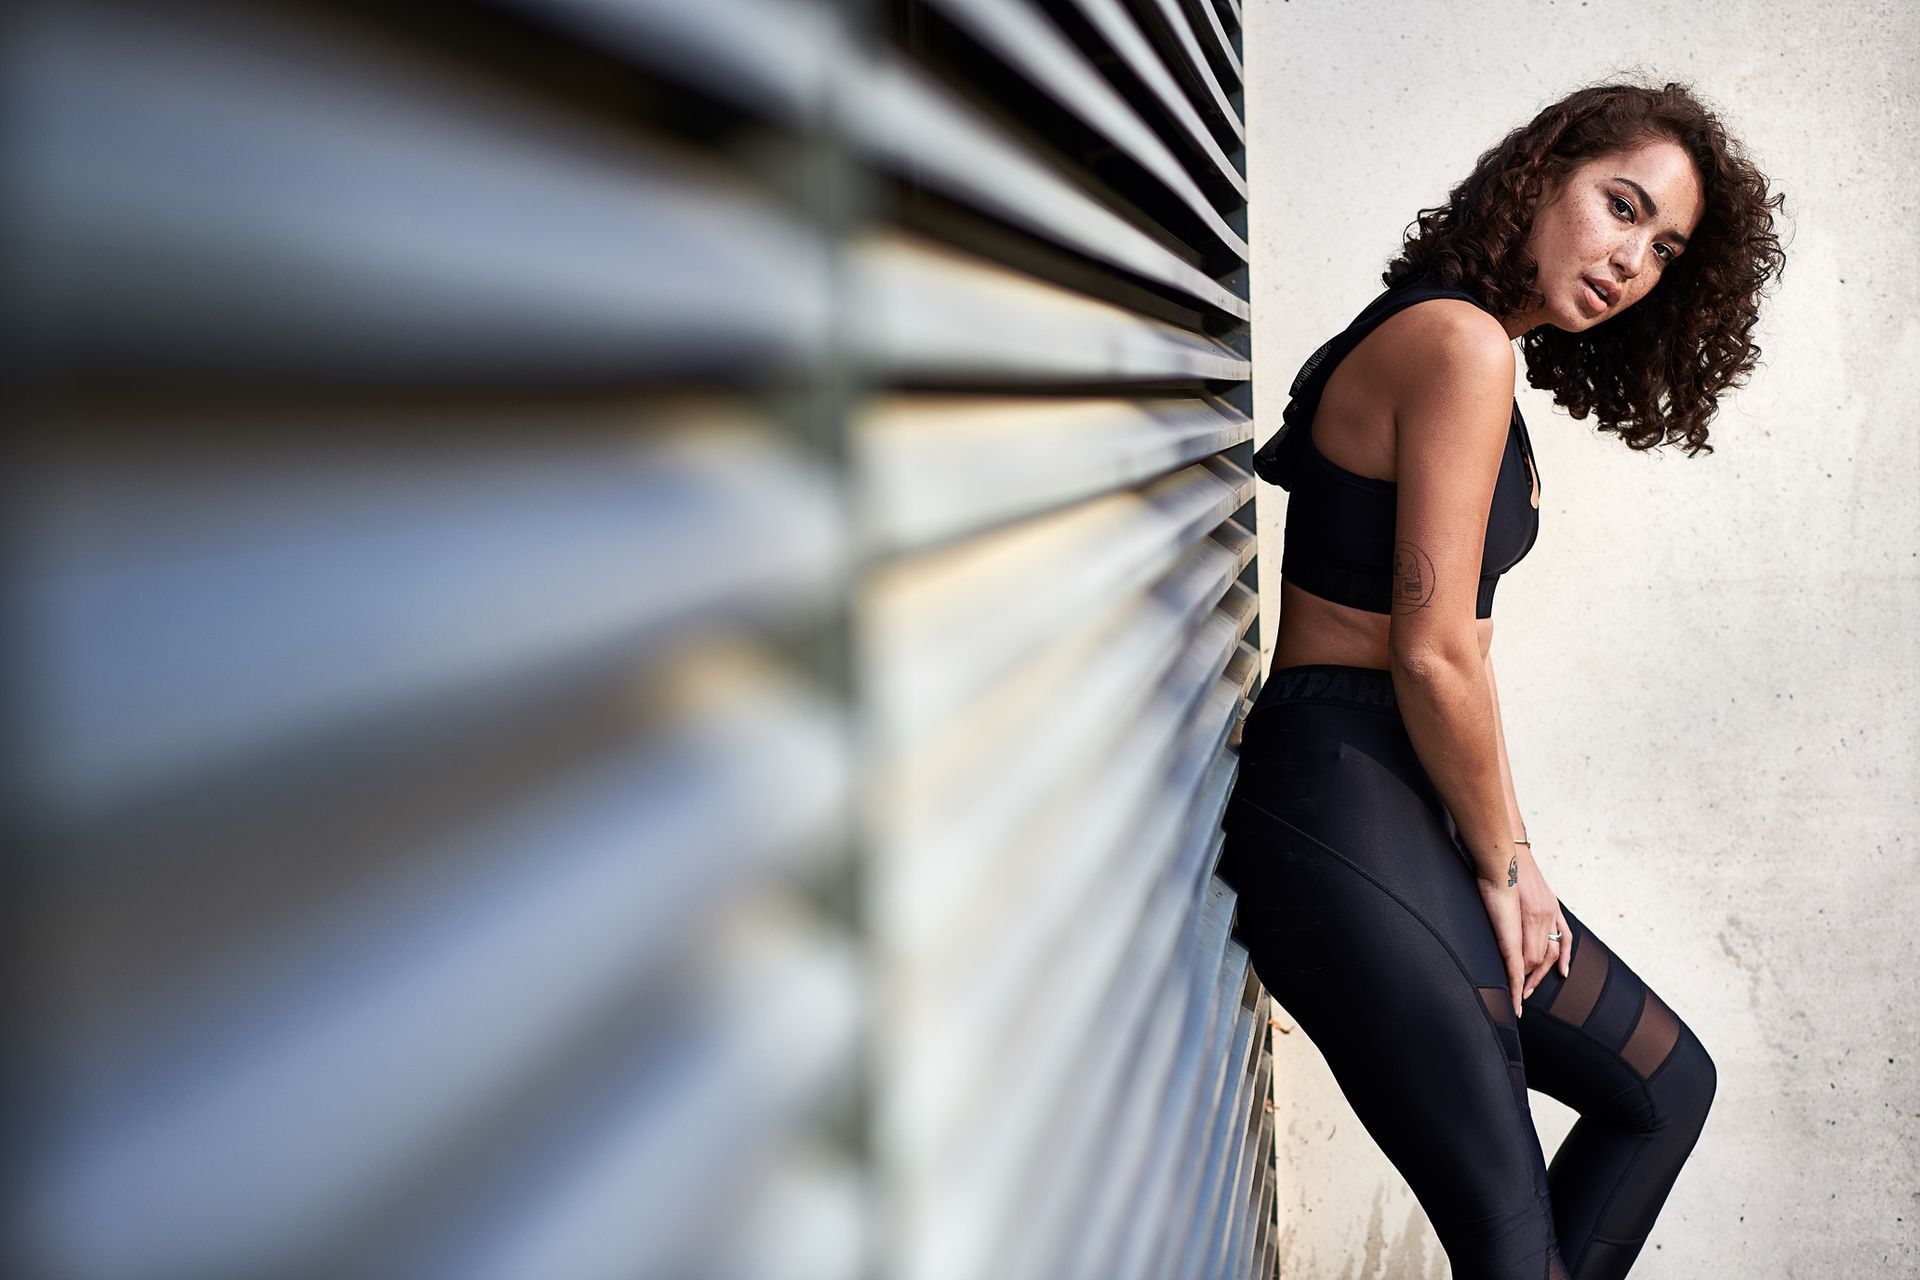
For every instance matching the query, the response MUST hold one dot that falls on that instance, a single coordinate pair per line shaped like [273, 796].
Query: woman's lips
[1592, 296]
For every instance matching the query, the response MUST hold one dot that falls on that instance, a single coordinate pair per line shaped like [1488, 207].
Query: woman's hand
[1522, 914]
[1540, 915]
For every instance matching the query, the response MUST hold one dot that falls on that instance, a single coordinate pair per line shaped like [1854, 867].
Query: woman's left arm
[1514, 819]
[1557, 954]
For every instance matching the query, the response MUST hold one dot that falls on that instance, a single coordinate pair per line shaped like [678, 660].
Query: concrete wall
[1709, 667]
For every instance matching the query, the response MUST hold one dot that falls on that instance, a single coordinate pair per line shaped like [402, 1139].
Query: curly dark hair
[1654, 373]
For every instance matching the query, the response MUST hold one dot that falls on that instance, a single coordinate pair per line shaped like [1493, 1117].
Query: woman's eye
[1621, 202]
[1666, 256]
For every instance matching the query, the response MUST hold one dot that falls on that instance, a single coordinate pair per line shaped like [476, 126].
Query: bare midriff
[1316, 630]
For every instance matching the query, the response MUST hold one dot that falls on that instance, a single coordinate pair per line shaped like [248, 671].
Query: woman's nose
[1630, 255]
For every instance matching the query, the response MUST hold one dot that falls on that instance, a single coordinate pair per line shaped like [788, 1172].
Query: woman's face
[1605, 237]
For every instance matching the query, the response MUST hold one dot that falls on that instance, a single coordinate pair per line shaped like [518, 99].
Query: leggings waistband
[1363, 688]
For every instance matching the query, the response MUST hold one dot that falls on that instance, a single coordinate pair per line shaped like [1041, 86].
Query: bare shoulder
[1447, 357]
[1447, 334]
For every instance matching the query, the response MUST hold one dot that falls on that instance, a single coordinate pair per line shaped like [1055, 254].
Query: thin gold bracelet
[1527, 843]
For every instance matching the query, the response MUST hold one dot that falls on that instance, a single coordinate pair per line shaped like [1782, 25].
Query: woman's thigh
[1604, 1042]
[1363, 921]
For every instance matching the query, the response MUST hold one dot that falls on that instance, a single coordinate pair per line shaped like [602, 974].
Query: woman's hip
[1326, 752]
[1331, 801]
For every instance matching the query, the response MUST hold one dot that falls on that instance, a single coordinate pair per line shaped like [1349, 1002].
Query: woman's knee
[1684, 1087]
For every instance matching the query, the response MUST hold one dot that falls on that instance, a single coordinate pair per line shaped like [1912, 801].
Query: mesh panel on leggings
[1653, 1036]
[1581, 991]
[1655, 1029]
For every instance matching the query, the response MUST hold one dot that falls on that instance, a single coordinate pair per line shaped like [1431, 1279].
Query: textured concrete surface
[1709, 667]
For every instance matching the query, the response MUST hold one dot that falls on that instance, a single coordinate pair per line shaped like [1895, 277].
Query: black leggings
[1359, 908]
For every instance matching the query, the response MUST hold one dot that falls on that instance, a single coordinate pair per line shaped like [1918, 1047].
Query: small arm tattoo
[1513, 871]
[1413, 578]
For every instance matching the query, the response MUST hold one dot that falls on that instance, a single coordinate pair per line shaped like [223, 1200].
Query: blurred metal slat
[781, 57]
[1118, 29]
[1027, 39]
[176, 220]
[176, 615]
[927, 315]
[933, 468]
[629, 621]
[1055, 506]
[913, 126]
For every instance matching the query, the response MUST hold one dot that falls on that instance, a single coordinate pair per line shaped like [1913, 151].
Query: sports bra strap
[1278, 460]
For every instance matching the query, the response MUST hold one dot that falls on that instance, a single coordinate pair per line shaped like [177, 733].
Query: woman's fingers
[1541, 970]
[1512, 943]
[1542, 952]
[1509, 934]
[1558, 954]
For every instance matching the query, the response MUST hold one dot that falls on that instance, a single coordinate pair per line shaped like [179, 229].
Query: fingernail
[1527, 994]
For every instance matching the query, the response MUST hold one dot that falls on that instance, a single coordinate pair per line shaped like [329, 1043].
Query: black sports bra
[1340, 525]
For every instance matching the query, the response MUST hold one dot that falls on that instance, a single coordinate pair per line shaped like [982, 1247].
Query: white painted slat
[1030, 42]
[178, 611]
[1210, 20]
[404, 1017]
[927, 134]
[261, 198]
[942, 628]
[1117, 27]
[927, 315]
[934, 467]
[781, 57]
[1212, 95]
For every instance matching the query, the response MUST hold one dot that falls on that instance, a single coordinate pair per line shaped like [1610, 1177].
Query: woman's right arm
[1453, 407]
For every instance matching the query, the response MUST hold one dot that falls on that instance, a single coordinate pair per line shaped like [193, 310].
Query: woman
[1388, 893]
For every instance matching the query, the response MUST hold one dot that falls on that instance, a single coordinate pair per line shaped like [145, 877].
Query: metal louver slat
[779, 57]
[412, 622]
[1030, 41]
[1083, 970]
[149, 670]
[929, 315]
[179, 221]
[919, 130]
[1222, 47]
[664, 1149]
[934, 468]
[1120, 33]
[1178, 1251]
[945, 626]
[997, 986]
[551, 899]
[1200, 1248]
[627, 621]
[1103, 1175]
[1195, 67]
[1144, 1207]
[1053, 630]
